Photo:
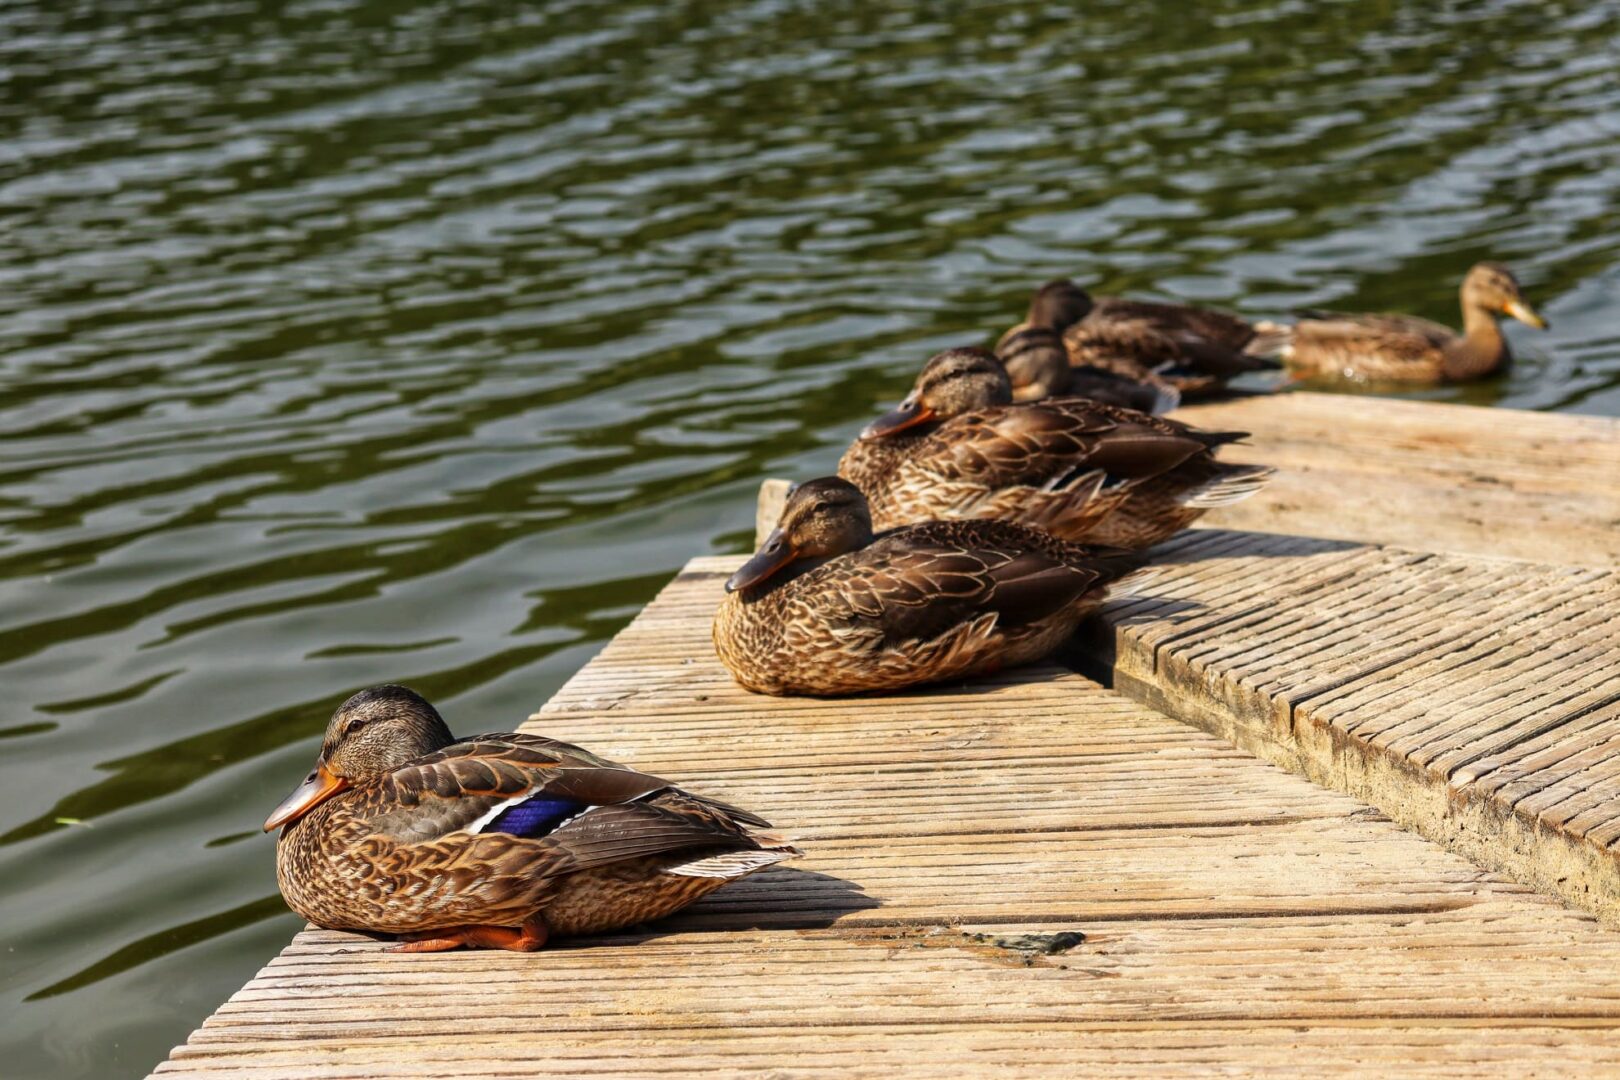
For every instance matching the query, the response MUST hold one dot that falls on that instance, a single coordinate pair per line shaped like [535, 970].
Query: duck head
[822, 518]
[372, 733]
[1491, 287]
[953, 382]
[1058, 305]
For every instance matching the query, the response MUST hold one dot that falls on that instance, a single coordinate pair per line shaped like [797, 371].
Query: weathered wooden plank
[1476, 700]
[964, 1046]
[1448, 478]
[1236, 919]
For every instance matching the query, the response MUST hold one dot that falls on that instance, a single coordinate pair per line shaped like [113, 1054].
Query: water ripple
[423, 341]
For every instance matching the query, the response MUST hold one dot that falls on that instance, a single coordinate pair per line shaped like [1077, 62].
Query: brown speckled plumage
[1038, 364]
[400, 851]
[1196, 350]
[942, 600]
[1067, 465]
[1403, 348]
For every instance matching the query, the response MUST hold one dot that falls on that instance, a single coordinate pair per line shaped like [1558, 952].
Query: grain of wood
[1444, 478]
[1237, 920]
[1474, 699]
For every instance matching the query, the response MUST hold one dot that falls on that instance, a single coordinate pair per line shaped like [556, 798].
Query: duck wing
[1207, 324]
[1045, 443]
[1137, 337]
[927, 582]
[1061, 465]
[530, 787]
[1373, 346]
[1323, 324]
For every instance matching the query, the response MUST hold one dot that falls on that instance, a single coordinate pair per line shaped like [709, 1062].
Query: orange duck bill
[1526, 314]
[775, 553]
[910, 413]
[319, 786]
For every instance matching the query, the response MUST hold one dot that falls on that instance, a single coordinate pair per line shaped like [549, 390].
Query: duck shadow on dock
[782, 898]
[1211, 545]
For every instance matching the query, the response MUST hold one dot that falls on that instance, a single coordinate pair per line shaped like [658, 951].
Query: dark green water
[344, 342]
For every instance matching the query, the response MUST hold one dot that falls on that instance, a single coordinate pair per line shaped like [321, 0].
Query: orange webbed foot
[531, 936]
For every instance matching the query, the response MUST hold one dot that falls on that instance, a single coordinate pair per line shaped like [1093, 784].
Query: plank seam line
[811, 836]
[200, 1050]
[1526, 1017]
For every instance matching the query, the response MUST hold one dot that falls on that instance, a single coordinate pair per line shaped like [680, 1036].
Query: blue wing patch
[534, 817]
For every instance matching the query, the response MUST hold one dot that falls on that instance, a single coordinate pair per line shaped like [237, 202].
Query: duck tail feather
[1271, 342]
[1111, 563]
[1138, 583]
[1212, 439]
[1232, 484]
[733, 864]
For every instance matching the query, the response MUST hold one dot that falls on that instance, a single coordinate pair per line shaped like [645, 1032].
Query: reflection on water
[343, 342]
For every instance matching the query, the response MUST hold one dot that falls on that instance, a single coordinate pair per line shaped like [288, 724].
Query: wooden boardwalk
[1036, 875]
[1476, 700]
[1234, 917]
[1454, 478]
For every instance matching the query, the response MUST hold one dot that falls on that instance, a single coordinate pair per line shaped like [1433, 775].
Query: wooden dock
[1036, 875]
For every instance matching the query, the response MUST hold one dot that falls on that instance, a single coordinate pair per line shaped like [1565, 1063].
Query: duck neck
[1480, 350]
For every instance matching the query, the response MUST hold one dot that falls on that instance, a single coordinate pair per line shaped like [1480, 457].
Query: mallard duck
[497, 841]
[1038, 365]
[958, 447]
[1192, 349]
[1402, 348]
[825, 607]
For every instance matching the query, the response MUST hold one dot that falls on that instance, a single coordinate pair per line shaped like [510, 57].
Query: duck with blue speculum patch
[497, 841]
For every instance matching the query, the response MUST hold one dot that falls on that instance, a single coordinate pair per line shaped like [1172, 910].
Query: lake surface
[351, 342]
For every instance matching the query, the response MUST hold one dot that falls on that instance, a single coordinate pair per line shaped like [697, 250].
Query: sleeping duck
[1194, 350]
[1038, 364]
[497, 841]
[959, 447]
[826, 607]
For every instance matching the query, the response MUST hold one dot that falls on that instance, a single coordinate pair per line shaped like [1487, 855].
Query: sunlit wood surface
[1232, 918]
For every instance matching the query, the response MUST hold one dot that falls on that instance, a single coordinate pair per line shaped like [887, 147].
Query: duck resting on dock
[825, 607]
[1192, 351]
[1403, 348]
[958, 447]
[1038, 364]
[497, 841]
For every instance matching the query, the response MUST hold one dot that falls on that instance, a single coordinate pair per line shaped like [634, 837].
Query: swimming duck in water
[825, 607]
[958, 447]
[1403, 348]
[1038, 364]
[497, 841]
[1195, 350]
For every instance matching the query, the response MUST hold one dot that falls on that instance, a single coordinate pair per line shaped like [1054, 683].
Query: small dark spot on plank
[1029, 946]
